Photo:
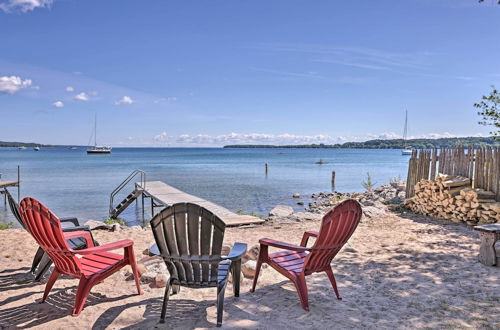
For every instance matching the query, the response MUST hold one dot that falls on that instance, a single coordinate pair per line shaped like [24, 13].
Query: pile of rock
[152, 269]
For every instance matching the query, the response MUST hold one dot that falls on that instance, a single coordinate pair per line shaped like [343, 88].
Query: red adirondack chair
[296, 262]
[91, 265]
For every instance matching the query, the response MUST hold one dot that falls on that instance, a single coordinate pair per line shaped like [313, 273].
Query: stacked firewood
[453, 198]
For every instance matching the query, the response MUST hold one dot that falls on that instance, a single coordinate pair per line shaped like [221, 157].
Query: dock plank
[167, 195]
[4, 184]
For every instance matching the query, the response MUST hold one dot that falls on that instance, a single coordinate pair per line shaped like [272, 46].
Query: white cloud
[13, 84]
[125, 100]
[385, 136]
[70, 89]
[82, 97]
[23, 6]
[58, 104]
[161, 138]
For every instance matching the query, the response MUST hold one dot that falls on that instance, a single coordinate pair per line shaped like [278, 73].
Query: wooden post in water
[267, 168]
[333, 180]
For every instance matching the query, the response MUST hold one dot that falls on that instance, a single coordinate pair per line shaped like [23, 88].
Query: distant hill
[4, 144]
[390, 144]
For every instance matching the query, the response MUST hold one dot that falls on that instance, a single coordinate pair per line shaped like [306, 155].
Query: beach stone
[115, 227]
[141, 269]
[300, 203]
[161, 280]
[97, 225]
[296, 195]
[303, 216]
[225, 249]
[251, 254]
[281, 211]
[248, 268]
[148, 277]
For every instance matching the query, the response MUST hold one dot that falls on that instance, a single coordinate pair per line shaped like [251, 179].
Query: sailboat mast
[95, 130]
[405, 132]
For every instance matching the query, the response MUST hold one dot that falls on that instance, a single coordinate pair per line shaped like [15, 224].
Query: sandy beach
[395, 272]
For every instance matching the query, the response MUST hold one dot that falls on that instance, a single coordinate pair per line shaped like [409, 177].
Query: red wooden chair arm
[282, 245]
[106, 247]
[80, 233]
[306, 236]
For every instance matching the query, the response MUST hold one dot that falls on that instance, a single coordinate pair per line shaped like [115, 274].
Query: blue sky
[213, 72]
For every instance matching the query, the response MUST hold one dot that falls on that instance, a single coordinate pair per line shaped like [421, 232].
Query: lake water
[72, 183]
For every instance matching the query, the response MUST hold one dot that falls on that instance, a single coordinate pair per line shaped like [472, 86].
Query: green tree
[489, 109]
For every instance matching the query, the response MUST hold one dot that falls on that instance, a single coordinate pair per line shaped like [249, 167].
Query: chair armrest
[73, 220]
[237, 251]
[80, 233]
[306, 236]
[283, 245]
[106, 247]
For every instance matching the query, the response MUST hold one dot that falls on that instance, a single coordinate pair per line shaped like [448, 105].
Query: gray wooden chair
[189, 238]
[41, 261]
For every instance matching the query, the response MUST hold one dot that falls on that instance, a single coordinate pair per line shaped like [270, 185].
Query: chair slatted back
[45, 227]
[337, 227]
[14, 208]
[189, 238]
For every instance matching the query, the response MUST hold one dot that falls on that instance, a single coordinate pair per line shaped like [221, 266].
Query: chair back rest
[189, 238]
[45, 227]
[14, 208]
[337, 227]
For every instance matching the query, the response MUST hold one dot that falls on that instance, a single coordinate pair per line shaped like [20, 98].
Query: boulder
[115, 227]
[281, 211]
[302, 216]
[161, 280]
[296, 195]
[248, 268]
[251, 254]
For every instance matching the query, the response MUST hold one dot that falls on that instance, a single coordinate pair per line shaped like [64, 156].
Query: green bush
[7, 226]
[111, 221]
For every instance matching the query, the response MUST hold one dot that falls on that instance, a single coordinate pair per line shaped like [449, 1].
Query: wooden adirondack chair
[189, 238]
[296, 262]
[41, 261]
[90, 266]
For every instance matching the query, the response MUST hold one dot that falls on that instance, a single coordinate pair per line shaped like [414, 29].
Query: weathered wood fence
[480, 164]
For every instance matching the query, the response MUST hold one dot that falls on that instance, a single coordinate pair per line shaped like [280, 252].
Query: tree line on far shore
[389, 144]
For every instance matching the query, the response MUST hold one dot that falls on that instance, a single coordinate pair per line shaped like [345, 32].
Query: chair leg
[329, 272]
[133, 265]
[257, 272]
[236, 272]
[301, 286]
[36, 259]
[221, 289]
[52, 279]
[43, 267]
[82, 294]
[165, 301]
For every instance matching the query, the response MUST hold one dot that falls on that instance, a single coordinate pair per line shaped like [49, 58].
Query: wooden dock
[165, 195]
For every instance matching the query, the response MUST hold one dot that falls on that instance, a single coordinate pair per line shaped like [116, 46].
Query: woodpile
[453, 198]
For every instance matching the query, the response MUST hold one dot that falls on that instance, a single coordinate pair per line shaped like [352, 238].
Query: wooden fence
[481, 165]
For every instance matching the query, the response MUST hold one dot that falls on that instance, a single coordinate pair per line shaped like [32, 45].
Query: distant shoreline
[386, 144]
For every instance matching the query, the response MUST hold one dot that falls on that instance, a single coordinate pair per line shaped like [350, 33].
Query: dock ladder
[114, 211]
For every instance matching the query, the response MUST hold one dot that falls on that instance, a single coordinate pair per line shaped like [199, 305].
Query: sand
[395, 272]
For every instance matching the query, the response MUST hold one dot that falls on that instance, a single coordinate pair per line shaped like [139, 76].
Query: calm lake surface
[72, 183]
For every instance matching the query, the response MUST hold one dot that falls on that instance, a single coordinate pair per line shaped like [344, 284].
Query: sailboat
[407, 150]
[98, 149]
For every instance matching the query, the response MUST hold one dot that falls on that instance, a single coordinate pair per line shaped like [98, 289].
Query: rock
[135, 227]
[148, 277]
[251, 254]
[374, 211]
[141, 269]
[115, 227]
[248, 268]
[225, 250]
[161, 280]
[281, 211]
[97, 225]
[296, 195]
[300, 203]
[302, 216]
[145, 252]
